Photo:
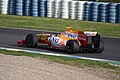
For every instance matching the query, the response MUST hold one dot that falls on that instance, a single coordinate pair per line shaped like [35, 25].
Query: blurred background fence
[90, 10]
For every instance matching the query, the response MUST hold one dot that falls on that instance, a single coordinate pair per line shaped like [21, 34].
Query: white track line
[46, 53]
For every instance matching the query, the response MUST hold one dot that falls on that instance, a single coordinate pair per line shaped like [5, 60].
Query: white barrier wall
[56, 9]
[64, 9]
[3, 6]
[80, 10]
[72, 9]
[50, 7]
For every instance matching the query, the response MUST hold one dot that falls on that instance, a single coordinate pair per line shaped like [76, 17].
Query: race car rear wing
[90, 33]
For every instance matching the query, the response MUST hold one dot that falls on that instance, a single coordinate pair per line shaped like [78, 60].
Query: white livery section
[71, 35]
[56, 41]
[90, 33]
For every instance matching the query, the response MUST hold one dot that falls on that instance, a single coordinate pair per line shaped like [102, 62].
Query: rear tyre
[101, 47]
[72, 46]
[31, 40]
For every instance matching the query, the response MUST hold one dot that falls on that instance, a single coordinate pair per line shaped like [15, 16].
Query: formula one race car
[72, 41]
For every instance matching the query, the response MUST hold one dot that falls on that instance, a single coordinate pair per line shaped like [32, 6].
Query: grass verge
[80, 63]
[56, 24]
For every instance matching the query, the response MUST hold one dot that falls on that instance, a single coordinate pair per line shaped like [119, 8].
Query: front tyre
[72, 46]
[31, 40]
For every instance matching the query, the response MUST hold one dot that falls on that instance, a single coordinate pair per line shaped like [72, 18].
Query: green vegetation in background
[80, 63]
[57, 24]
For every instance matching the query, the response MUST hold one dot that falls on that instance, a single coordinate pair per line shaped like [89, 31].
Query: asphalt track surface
[8, 38]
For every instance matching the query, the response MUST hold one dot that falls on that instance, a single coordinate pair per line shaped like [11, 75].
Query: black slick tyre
[72, 46]
[101, 47]
[31, 40]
